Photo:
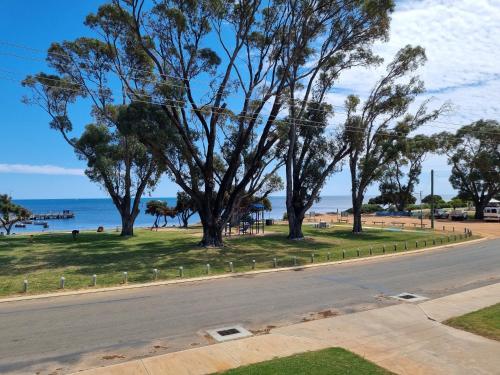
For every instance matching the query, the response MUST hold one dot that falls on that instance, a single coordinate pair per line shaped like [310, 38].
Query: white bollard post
[125, 277]
[231, 268]
[208, 269]
[294, 260]
[275, 263]
[61, 282]
[25, 286]
[94, 280]
[253, 264]
[181, 272]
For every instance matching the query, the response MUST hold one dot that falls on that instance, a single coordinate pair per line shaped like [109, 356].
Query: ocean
[92, 213]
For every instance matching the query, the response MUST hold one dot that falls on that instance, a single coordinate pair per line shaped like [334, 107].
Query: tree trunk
[155, 224]
[400, 205]
[357, 226]
[212, 229]
[212, 235]
[479, 206]
[127, 224]
[295, 227]
[185, 221]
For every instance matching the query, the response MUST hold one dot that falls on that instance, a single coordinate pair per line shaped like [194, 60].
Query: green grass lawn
[484, 322]
[324, 362]
[47, 257]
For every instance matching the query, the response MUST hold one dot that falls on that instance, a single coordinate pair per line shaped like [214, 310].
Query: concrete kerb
[236, 274]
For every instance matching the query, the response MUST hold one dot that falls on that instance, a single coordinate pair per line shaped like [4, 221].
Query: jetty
[66, 214]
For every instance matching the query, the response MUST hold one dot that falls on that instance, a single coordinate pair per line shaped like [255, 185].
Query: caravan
[492, 212]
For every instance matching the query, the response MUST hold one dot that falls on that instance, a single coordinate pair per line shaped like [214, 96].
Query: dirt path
[486, 229]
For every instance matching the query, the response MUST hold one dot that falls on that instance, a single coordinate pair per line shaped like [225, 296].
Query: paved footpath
[406, 339]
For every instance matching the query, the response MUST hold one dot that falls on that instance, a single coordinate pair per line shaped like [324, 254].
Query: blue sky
[461, 39]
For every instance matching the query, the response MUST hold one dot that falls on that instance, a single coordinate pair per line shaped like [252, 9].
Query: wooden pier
[66, 214]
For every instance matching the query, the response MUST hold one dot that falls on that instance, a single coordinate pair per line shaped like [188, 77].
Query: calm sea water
[91, 213]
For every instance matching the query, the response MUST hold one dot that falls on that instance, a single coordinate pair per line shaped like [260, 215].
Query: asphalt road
[65, 334]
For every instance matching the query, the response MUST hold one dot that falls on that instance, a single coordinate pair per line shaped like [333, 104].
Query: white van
[492, 214]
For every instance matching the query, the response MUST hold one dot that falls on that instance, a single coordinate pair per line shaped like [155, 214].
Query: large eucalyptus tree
[474, 156]
[221, 73]
[115, 158]
[378, 127]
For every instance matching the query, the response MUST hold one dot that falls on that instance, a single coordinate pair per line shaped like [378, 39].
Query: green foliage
[115, 157]
[159, 209]
[457, 203]
[417, 207]
[11, 213]
[402, 173]
[439, 202]
[392, 194]
[185, 207]
[474, 155]
[367, 208]
[378, 131]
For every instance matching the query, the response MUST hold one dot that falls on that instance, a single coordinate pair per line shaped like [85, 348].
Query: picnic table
[402, 225]
[379, 222]
[343, 220]
[419, 224]
[321, 224]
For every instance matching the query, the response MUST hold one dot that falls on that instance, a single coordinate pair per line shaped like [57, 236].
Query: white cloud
[463, 50]
[40, 169]
[462, 47]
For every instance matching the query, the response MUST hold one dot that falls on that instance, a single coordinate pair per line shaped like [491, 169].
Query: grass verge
[324, 362]
[484, 322]
[44, 258]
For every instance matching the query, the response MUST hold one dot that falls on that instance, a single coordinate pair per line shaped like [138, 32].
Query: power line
[28, 48]
[340, 109]
[218, 108]
[130, 69]
[289, 121]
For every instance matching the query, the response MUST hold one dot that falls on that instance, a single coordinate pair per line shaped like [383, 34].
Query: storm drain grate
[409, 297]
[229, 333]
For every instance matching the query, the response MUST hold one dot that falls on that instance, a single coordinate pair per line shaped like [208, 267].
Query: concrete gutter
[236, 274]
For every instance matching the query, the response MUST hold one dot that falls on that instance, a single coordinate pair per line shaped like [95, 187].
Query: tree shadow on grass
[105, 253]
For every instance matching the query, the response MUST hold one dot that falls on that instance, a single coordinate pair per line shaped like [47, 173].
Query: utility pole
[421, 214]
[432, 198]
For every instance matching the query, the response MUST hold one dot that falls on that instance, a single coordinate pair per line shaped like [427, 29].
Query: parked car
[458, 215]
[439, 213]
